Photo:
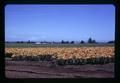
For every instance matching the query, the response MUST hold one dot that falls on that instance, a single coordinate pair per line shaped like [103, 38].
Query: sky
[59, 22]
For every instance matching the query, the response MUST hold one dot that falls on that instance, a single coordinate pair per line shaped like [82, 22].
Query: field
[26, 45]
[92, 57]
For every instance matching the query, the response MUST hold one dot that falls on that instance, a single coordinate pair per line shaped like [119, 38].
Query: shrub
[8, 55]
[60, 62]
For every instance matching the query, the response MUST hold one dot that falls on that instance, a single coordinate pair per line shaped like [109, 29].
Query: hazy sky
[59, 22]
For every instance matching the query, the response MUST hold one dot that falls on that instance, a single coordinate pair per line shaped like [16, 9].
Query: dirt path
[24, 69]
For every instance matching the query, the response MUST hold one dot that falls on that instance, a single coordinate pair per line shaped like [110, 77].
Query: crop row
[63, 56]
[64, 53]
[56, 61]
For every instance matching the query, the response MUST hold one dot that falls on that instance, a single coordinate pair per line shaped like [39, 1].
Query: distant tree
[82, 42]
[21, 42]
[41, 42]
[93, 41]
[17, 42]
[72, 42]
[90, 40]
[67, 42]
[110, 42]
[28, 41]
[62, 42]
[53, 42]
[7, 42]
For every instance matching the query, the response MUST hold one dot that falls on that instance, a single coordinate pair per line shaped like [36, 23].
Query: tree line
[90, 40]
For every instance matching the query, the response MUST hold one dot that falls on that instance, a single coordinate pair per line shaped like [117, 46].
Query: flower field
[64, 53]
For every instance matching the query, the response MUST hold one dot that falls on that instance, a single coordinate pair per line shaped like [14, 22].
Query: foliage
[9, 55]
[64, 56]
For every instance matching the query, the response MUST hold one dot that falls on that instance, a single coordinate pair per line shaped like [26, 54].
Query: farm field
[96, 59]
[26, 45]
[59, 41]
[64, 53]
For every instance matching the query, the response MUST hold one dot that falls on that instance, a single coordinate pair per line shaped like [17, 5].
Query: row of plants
[55, 60]
[8, 55]
[100, 60]
[47, 57]
[33, 58]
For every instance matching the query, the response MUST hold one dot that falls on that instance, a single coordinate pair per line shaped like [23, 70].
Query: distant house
[37, 43]
[44, 43]
[41, 43]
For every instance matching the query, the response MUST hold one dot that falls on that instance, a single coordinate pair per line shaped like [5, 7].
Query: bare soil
[37, 69]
